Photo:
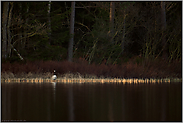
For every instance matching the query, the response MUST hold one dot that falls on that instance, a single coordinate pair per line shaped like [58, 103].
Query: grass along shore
[80, 71]
[78, 78]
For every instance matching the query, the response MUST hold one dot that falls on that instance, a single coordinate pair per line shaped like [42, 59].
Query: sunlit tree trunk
[71, 42]
[49, 21]
[4, 29]
[8, 30]
[163, 22]
[111, 16]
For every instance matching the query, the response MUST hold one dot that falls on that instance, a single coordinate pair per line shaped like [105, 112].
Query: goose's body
[54, 77]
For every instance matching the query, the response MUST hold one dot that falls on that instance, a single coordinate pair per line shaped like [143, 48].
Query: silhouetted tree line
[103, 31]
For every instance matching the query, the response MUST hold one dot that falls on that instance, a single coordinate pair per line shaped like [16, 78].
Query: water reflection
[54, 99]
[91, 102]
[71, 102]
[6, 103]
[48, 107]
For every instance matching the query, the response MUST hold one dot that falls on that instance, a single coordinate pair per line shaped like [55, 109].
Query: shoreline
[9, 77]
[90, 80]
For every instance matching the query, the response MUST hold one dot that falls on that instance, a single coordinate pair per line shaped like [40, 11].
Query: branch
[85, 26]
[38, 31]
[21, 58]
[87, 7]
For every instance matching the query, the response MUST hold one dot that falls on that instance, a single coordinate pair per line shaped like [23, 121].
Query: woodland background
[136, 34]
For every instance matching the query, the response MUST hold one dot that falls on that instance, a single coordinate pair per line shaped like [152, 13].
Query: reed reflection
[71, 102]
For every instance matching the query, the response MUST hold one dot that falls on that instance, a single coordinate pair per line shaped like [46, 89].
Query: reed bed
[89, 80]
[43, 69]
[8, 77]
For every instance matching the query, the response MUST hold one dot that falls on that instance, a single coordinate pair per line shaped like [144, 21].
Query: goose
[54, 77]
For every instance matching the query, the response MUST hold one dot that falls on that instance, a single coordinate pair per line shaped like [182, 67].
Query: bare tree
[49, 21]
[25, 30]
[4, 29]
[123, 38]
[71, 42]
[112, 12]
[8, 29]
[163, 22]
[20, 43]
[6, 49]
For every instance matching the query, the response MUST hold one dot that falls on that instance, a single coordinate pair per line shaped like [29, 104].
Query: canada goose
[54, 77]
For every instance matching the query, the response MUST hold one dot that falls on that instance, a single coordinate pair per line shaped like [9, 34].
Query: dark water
[91, 102]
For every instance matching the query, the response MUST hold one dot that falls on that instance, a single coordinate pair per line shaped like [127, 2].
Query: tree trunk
[71, 42]
[4, 29]
[49, 22]
[67, 16]
[123, 39]
[111, 31]
[25, 30]
[163, 22]
[20, 31]
[8, 30]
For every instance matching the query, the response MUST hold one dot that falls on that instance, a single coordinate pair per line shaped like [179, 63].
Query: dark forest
[110, 39]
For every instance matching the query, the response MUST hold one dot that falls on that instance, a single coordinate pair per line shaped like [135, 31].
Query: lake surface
[91, 102]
